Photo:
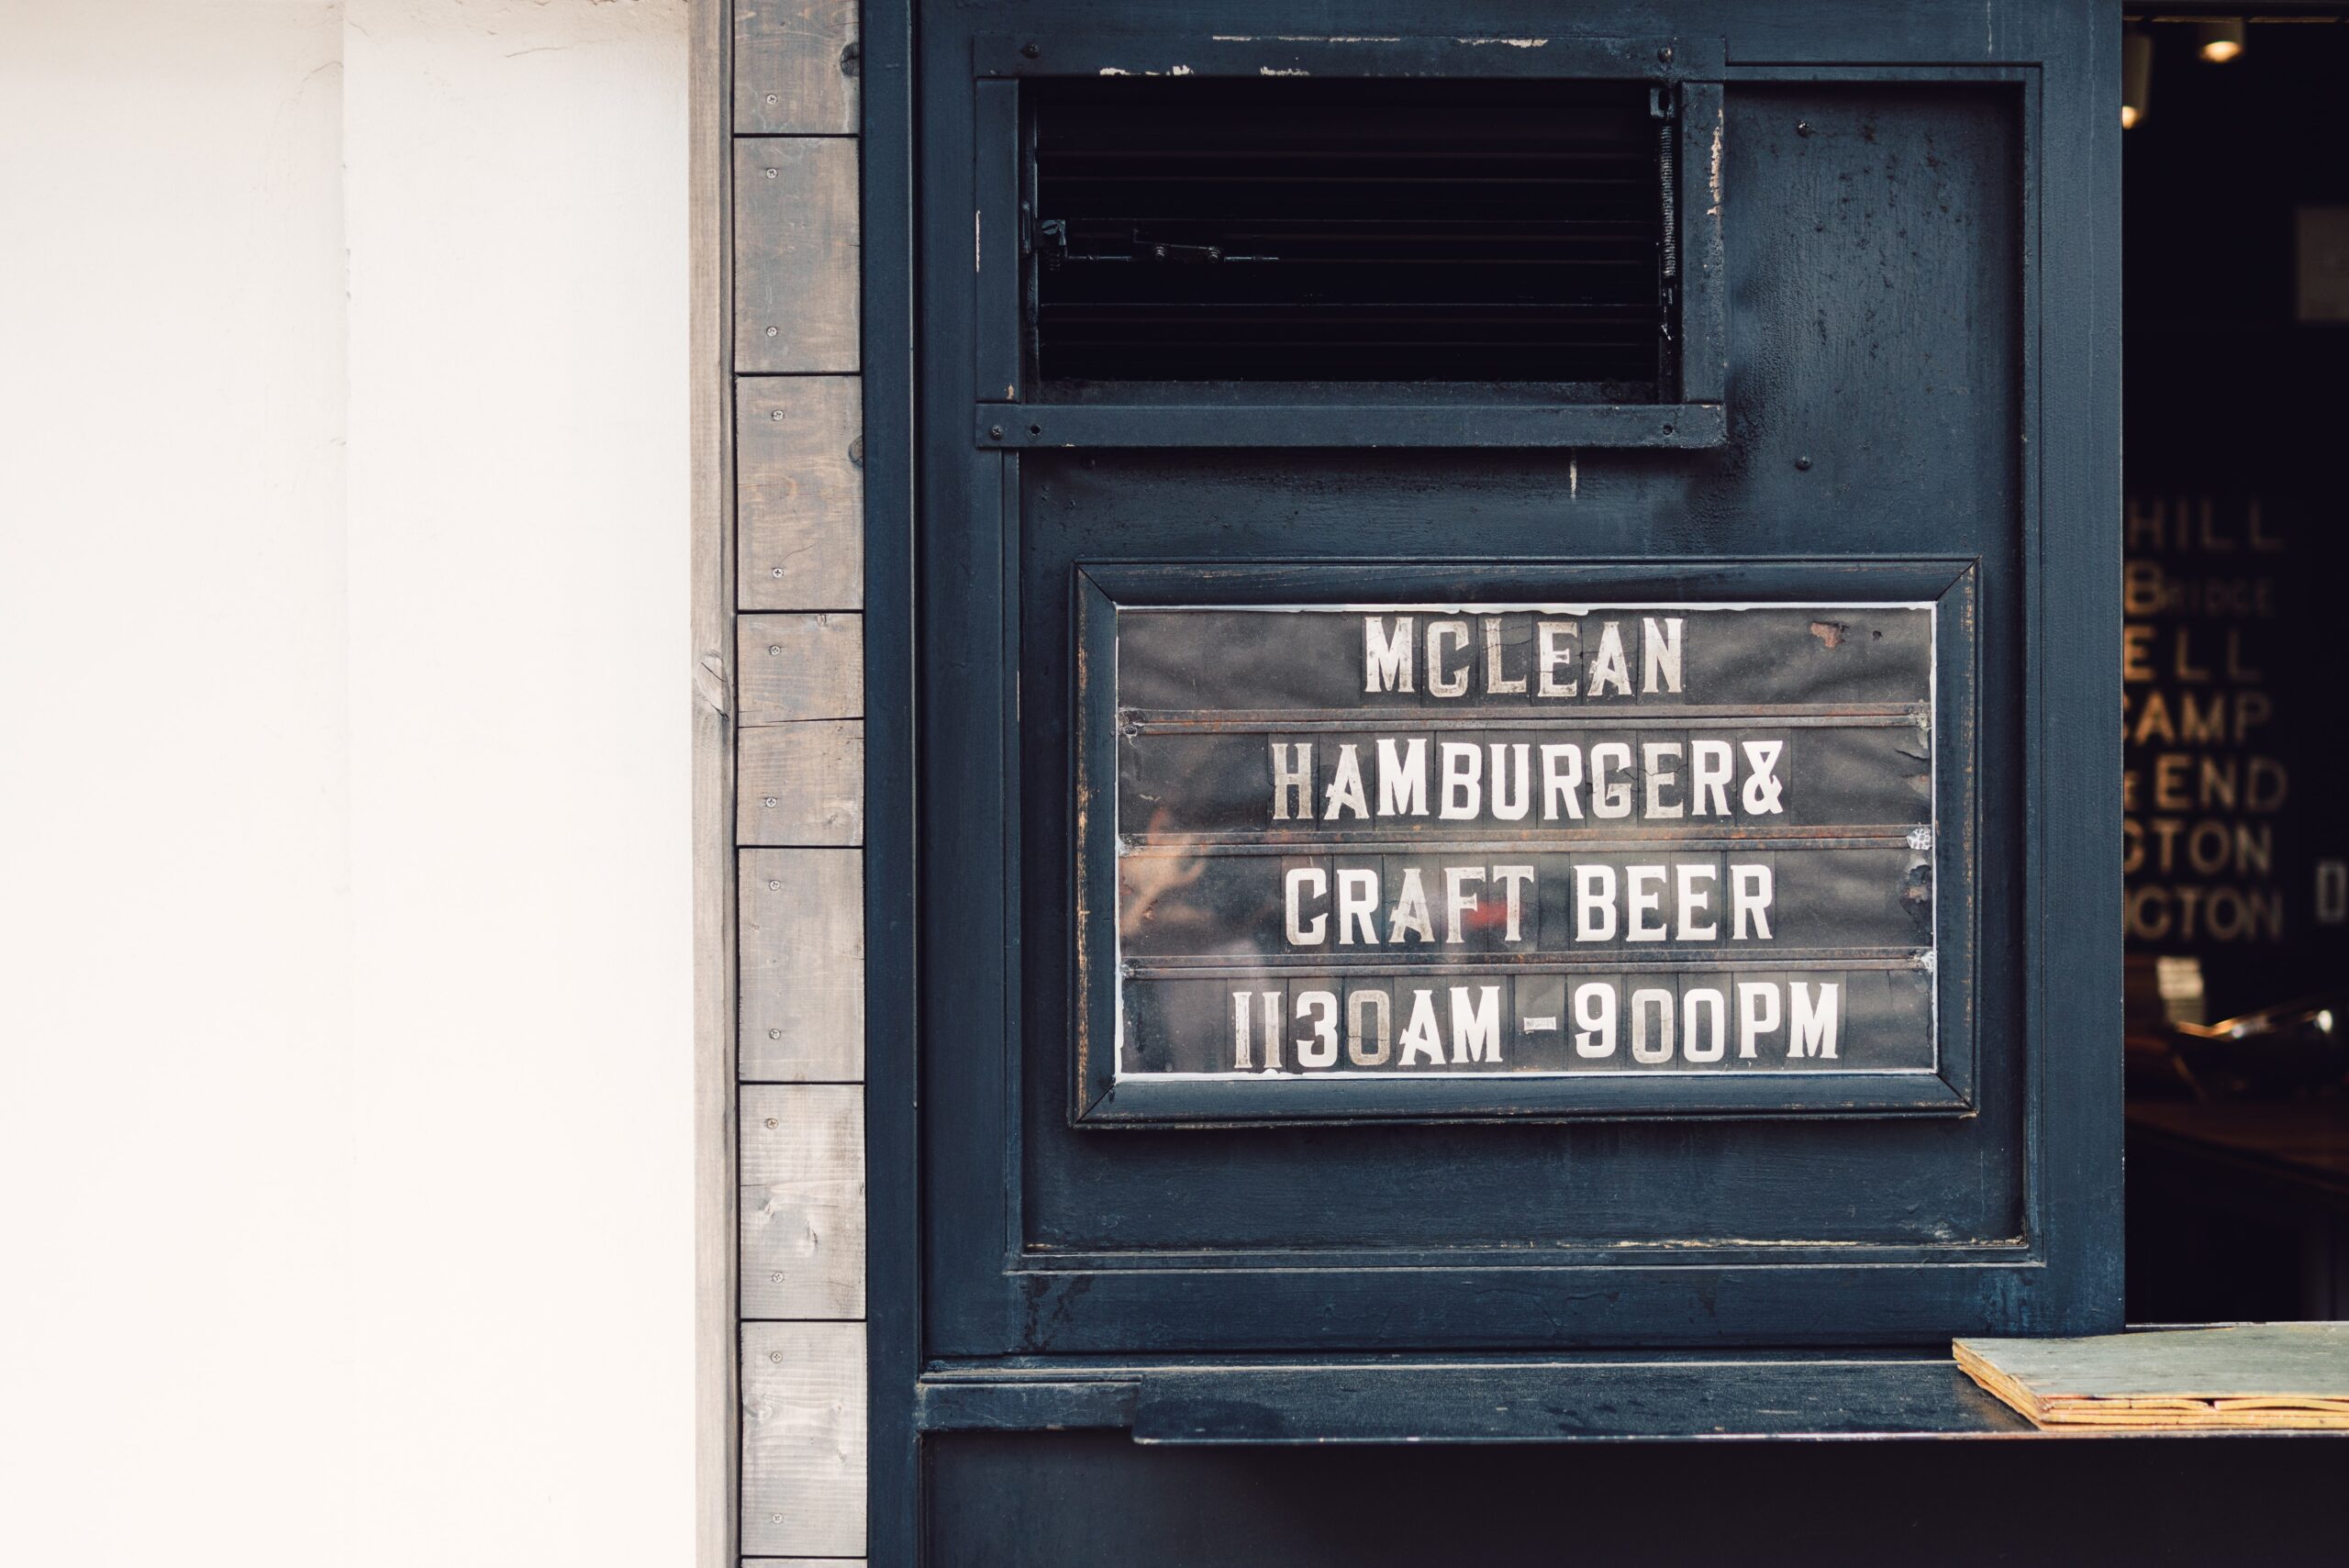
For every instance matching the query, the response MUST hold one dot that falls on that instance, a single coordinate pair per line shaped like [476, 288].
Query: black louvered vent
[1360, 231]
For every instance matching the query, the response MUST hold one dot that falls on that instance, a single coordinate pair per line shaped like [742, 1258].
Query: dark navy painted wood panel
[1919, 296]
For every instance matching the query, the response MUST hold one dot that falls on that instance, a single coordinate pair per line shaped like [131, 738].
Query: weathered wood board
[789, 668]
[803, 1200]
[801, 785]
[796, 249]
[796, 67]
[2279, 1375]
[802, 927]
[799, 493]
[803, 1438]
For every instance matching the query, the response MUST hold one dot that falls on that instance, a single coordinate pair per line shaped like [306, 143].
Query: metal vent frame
[1015, 408]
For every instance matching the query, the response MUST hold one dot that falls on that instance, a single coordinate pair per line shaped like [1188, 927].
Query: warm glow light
[2136, 75]
[2221, 41]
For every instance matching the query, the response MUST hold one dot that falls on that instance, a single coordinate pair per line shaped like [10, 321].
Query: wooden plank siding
[802, 783]
[789, 669]
[795, 67]
[803, 1440]
[799, 468]
[803, 1201]
[795, 643]
[794, 255]
[802, 967]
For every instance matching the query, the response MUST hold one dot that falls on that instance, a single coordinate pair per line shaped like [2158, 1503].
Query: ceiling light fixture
[2221, 41]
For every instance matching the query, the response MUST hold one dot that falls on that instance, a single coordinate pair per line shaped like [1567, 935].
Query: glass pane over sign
[1422, 840]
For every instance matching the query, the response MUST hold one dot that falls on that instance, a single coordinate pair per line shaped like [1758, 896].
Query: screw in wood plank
[1031, 50]
[771, 332]
[774, 571]
[1803, 463]
[775, 884]
[995, 432]
[1664, 55]
[1802, 128]
[770, 802]
[774, 1034]
[773, 1122]
[770, 173]
[774, 1356]
[775, 98]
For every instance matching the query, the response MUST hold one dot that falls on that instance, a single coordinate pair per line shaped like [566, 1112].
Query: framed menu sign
[1509, 856]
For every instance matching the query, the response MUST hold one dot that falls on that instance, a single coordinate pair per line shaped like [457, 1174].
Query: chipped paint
[1506, 43]
[1277, 70]
[1713, 172]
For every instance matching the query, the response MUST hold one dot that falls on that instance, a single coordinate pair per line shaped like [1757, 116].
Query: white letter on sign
[1318, 1049]
[1660, 654]
[1419, 1036]
[1454, 632]
[1749, 899]
[1463, 772]
[1609, 797]
[1386, 661]
[1305, 882]
[1403, 778]
[1476, 1031]
[1292, 780]
[1594, 903]
[1552, 637]
[1811, 1025]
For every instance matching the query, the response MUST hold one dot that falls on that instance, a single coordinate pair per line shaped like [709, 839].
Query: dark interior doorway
[2236, 279]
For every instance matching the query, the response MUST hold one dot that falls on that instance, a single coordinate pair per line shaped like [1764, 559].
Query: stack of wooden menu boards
[2266, 1376]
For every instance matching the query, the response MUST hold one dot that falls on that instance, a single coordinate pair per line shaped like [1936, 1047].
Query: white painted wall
[345, 1033]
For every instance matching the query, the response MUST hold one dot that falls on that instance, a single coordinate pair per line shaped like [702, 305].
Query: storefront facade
[1418, 735]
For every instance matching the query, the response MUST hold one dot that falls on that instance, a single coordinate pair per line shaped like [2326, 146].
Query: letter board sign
[1507, 847]
[1524, 839]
